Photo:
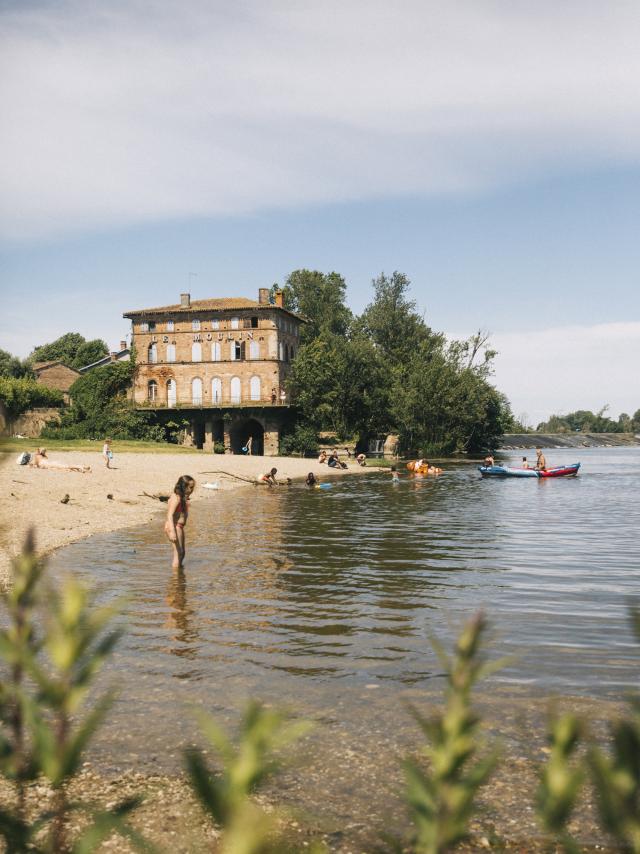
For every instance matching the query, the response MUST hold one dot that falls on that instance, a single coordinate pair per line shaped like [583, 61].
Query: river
[326, 600]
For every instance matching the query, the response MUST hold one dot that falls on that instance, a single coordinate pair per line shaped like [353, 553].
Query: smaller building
[121, 355]
[56, 375]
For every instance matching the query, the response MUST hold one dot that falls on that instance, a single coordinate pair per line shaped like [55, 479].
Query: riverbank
[109, 499]
[522, 441]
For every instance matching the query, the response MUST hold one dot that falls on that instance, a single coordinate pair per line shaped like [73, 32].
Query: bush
[19, 395]
[303, 440]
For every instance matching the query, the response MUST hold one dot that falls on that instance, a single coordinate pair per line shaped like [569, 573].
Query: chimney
[123, 345]
[185, 300]
[263, 296]
[279, 299]
[113, 357]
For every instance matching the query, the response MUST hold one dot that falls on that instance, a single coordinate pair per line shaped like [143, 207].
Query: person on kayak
[541, 463]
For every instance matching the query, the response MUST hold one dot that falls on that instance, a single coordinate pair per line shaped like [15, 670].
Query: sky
[488, 150]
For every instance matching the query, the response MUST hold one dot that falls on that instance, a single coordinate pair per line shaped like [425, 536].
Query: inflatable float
[418, 467]
[508, 471]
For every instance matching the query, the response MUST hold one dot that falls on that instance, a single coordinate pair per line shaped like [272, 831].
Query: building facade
[56, 375]
[222, 362]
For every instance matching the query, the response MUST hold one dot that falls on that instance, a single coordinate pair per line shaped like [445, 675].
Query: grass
[11, 445]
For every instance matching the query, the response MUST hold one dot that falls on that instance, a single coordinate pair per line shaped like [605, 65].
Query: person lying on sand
[42, 461]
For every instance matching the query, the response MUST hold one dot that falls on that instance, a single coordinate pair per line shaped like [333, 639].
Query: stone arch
[244, 429]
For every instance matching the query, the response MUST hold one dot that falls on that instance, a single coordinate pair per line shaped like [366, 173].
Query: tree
[320, 298]
[72, 349]
[11, 366]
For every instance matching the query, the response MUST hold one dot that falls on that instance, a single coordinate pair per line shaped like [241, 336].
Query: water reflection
[347, 585]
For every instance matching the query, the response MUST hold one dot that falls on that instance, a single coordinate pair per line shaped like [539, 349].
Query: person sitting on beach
[334, 462]
[107, 453]
[322, 458]
[311, 480]
[269, 478]
[541, 463]
[42, 461]
[361, 459]
[177, 514]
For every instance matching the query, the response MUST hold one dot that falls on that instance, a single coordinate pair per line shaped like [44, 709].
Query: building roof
[106, 360]
[37, 367]
[223, 304]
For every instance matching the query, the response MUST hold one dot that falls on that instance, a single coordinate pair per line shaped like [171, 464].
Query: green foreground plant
[441, 796]
[51, 665]
[246, 829]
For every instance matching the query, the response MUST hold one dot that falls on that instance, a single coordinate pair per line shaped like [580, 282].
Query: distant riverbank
[513, 441]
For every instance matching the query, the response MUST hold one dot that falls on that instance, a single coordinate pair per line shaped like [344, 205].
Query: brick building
[222, 362]
[56, 375]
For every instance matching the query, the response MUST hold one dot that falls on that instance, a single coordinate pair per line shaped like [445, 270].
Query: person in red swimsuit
[177, 515]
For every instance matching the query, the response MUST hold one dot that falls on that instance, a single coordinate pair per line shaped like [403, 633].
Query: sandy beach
[33, 497]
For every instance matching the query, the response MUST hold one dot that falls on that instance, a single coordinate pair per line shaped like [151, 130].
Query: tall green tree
[72, 349]
[11, 366]
[319, 297]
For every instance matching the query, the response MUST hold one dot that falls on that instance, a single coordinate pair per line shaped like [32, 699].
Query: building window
[196, 351]
[171, 393]
[215, 324]
[196, 391]
[254, 322]
[144, 326]
[195, 325]
[239, 350]
[152, 326]
[292, 353]
[152, 354]
[254, 350]
[232, 350]
[170, 325]
[254, 388]
[281, 351]
[246, 323]
[215, 351]
[236, 395]
[216, 390]
[171, 352]
[152, 390]
[235, 323]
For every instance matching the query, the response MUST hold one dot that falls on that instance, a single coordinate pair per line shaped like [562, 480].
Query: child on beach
[107, 453]
[177, 514]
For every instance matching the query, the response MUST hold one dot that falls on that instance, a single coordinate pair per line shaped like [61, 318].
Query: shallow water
[327, 599]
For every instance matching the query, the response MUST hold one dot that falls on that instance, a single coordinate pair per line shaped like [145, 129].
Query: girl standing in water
[177, 514]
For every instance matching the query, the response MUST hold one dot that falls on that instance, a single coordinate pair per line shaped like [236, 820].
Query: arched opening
[254, 388]
[152, 391]
[171, 393]
[242, 431]
[236, 390]
[196, 391]
[216, 390]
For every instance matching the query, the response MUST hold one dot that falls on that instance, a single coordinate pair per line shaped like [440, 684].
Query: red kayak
[561, 471]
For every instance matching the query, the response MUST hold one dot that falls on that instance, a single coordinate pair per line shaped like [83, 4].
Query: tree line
[386, 371]
[585, 421]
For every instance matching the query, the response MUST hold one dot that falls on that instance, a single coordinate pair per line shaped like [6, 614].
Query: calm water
[327, 599]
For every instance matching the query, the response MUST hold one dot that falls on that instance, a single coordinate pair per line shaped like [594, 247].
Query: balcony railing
[205, 402]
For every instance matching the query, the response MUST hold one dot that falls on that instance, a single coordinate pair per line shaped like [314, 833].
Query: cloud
[131, 112]
[562, 369]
